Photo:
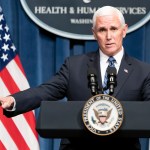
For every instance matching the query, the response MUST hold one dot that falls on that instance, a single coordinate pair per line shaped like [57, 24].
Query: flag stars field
[4, 57]
[6, 37]
[5, 47]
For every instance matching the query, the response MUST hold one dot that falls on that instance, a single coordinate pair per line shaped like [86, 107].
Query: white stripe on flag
[24, 128]
[3, 89]
[6, 138]
[17, 75]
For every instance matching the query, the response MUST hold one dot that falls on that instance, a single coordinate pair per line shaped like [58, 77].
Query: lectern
[64, 120]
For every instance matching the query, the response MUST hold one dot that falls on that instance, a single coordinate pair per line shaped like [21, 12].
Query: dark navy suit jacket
[133, 84]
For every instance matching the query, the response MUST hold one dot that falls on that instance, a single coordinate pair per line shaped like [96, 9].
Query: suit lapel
[124, 72]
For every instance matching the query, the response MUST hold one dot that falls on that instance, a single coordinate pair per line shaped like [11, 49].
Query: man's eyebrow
[102, 28]
[113, 26]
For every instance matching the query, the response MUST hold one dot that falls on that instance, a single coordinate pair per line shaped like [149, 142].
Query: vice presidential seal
[102, 114]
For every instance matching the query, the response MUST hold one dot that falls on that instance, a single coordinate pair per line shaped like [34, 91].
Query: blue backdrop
[42, 52]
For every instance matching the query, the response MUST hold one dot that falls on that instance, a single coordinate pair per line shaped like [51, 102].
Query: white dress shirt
[104, 62]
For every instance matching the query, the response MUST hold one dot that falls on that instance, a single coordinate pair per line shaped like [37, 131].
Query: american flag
[18, 132]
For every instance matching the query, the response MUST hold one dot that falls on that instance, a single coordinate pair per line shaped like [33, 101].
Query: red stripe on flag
[13, 132]
[9, 82]
[2, 147]
[17, 60]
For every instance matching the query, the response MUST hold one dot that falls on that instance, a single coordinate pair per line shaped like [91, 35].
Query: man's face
[109, 34]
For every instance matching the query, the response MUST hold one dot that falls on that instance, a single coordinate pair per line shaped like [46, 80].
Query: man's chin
[110, 51]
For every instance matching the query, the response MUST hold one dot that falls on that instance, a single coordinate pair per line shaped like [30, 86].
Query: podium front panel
[64, 119]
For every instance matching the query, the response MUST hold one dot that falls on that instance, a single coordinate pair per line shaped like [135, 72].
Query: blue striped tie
[111, 61]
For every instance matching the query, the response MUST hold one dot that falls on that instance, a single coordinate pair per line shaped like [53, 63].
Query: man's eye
[114, 29]
[102, 30]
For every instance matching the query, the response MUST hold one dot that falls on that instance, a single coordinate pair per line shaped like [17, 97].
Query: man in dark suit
[133, 80]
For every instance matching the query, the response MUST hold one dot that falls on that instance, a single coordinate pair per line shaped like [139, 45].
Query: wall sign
[73, 18]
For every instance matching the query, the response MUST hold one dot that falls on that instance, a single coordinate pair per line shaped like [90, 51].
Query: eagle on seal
[102, 115]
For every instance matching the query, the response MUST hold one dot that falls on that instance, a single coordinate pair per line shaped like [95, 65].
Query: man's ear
[125, 30]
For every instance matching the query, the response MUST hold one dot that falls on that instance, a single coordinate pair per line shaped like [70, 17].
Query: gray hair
[108, 10]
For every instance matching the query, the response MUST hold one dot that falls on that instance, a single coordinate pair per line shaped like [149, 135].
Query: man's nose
[108, 35]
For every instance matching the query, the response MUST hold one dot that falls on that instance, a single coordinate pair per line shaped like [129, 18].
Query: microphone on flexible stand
[92, 81]
[111, 82]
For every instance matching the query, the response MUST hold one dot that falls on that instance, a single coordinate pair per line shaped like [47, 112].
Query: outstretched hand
[7, 102]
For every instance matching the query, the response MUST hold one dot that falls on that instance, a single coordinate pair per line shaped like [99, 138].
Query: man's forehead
[108, 20]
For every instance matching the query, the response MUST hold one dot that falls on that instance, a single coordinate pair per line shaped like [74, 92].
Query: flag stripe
[17, 75]
[2, 147]
[13, 131]
[6, 139]
[18, 62]
[3, 89]
[7, 77]
[22, 123]
[24, 127]
[30, 118]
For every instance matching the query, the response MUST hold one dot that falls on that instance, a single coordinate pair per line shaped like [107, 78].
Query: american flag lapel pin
[125, 70]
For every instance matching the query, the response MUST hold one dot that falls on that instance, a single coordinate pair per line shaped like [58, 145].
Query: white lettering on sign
[50, 10]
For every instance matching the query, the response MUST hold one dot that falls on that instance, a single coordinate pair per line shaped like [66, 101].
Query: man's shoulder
[139, 63]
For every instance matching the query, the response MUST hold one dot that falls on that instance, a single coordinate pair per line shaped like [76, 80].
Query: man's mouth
[109, 44]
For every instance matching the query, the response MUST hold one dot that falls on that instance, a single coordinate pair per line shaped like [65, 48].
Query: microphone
[92, 81]
[111, 82]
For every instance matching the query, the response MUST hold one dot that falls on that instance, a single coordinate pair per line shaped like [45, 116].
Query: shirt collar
[118, 56]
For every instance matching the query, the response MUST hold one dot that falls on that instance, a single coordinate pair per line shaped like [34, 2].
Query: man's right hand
[7, 102]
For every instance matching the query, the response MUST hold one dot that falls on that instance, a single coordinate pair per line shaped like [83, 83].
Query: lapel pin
[125, 70]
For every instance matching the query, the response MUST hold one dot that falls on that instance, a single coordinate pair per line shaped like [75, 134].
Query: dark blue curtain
[42, 52]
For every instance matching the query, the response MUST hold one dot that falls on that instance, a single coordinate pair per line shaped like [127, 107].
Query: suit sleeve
[54, 89]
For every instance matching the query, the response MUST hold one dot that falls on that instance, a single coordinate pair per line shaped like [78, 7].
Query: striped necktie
[111, 61]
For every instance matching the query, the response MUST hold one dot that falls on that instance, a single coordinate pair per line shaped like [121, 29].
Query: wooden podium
[64, 120]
